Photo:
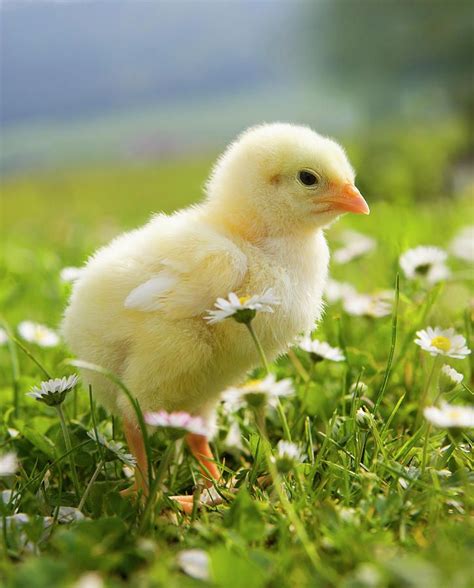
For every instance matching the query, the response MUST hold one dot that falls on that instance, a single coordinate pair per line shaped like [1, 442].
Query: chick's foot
[208, 497]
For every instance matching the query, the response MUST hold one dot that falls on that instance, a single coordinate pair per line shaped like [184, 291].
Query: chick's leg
[137, 447]
[199, 446]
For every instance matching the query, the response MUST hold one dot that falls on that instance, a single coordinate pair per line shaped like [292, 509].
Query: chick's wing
[193, 271]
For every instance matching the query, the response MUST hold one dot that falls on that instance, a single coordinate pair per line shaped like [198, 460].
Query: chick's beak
[347, 198]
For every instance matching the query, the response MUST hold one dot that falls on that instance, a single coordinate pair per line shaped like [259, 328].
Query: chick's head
[284, 177]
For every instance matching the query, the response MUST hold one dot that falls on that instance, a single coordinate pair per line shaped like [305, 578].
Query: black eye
[307, 178]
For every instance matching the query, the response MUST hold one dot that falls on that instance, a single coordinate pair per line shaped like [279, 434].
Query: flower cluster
[448, 343]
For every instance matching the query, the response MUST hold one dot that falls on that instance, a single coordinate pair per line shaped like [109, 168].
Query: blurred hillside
[98, 82]
[64, 61]
[90, 81]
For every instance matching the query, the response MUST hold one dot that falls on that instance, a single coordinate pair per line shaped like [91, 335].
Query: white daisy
[287, 456]
[335, 291]
[89, 580]
[411, 473]
[444, 473]
[69, 514]
[358, 388]
[320, 350]
[462, 245]
[194, 563]
[3, 336]
[70, 274]
[355, 245]
[242, 309]
[425, 262]
[289, 450]
[363, 418]
[53, 392]
[257, 392]
[348, 514]
[178, 421]
[37, 333]
[449, 378]
[114, 447]
[128, 471]
[6, 497]
[439, 341]
[233, 439]
[450, 416]
[373, 306]
[8, 464]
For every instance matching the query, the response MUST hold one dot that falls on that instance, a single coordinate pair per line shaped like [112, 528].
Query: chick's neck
[249, 225]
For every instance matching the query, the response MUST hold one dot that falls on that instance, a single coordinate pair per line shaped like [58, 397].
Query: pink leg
[199, 446]
[134, 439]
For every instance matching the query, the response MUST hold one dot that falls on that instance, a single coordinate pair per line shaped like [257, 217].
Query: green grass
[373, 515]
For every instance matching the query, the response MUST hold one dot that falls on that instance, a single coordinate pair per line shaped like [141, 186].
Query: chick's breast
[296, 269]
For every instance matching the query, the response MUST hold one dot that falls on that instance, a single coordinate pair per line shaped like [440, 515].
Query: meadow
[378, 496]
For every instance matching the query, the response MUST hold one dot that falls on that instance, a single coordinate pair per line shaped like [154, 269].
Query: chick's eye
[307, 178]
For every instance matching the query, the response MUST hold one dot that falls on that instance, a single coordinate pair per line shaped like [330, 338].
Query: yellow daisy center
[454, 414]
[442, 343]
[251, 384]
[244, 299]
[40, 334]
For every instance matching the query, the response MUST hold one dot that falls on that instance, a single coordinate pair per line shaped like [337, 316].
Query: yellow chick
[138, 307]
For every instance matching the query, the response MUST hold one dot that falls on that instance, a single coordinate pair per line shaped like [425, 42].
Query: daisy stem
[67, 441]
[425, 448]
[259, 347]
[266, 367]
[311, 378]
[426, 389]
[299, 366]
[94, 426]
[89, 486]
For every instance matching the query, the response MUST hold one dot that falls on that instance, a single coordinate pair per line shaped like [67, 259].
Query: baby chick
[138, 307]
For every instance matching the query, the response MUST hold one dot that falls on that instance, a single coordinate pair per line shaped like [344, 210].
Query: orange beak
[346, 198]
